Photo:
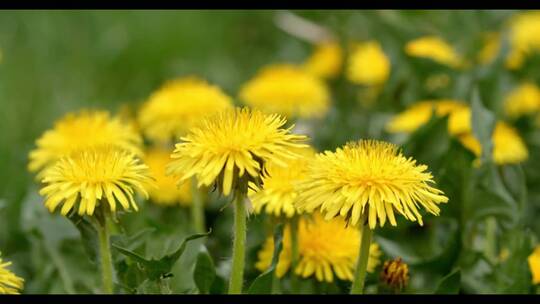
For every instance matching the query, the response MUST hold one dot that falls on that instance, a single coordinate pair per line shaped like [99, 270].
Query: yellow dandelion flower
[326, 248]
[93, 175]
[534, 265]
[508, 146]
[433, 48]
[225, 146]
[277, 194]
[490, 49]
[420, 113]
[82, 130]
[287, 90]
[166, 191]
[178, 105]
[523, 100]
[459, 121]
[326, 60]
[524, 37]
[372, 174]
[395, 274]
[9, 282]
[368, 64]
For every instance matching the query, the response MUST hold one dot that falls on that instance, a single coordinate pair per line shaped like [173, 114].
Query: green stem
[295, 254]
[490, 248]
[239, 244]
[361, 266]
[197, 208]
[105, 252]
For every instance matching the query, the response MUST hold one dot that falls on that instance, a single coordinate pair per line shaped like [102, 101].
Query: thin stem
[239, 244]
[197, 208]
[105, 251]
[490, 248]
[361, 266]
[295, 253]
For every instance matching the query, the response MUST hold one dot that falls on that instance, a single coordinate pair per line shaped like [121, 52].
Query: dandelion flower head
[524, 37]
[178, 105]
[434, 48]
[277, 194]
[165, 192]
[77, 131]
[326, 60]
[534, 265]
[232, 145]
[368, 178]
[420, 113]
[9, 282]
[368, 64]
[508, 146]
[523, 100]
[326, 249]
[92, 177]
[287, 90]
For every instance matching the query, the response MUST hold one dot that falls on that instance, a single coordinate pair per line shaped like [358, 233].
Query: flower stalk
[361, 266]
[105, 249]
[239, 243]
[197, 208]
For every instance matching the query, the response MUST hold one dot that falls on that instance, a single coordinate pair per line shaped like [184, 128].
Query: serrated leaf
[205, 272]
[450, 284]
[263, 283]
[156, 269]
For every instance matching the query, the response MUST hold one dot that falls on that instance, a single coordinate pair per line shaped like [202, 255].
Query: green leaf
[263, 283]
[450, 284]
[483, 123]
[156, 269]
[205, 272]
[512, 275]
[89, 235]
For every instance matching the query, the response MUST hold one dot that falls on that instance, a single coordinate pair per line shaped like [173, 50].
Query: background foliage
[58, 61]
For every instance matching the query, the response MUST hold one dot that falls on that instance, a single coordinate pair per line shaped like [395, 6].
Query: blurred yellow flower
[225, 146]
[9, 282]
[93, 176]
[433, 48]
[277, 194]
[508, 147]
[178, 105]
[326, 60]
[395, 274]
[287, 90]
[368, 64]
[368, 178]
[490, 49]
[534, 265]
[524, 37]
[459, 121]
[166, 191]
[82, 130]
[523, 100]
[326, 248]
[420, 113]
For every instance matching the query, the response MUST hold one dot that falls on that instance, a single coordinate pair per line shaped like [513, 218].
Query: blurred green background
[53, 62]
